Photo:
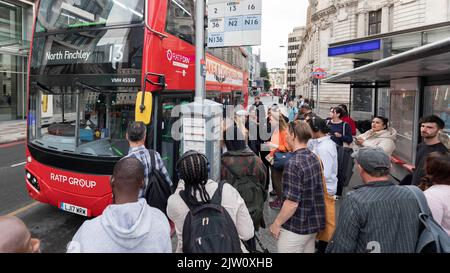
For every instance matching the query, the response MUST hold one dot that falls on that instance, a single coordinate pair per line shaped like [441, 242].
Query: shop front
[15, 28]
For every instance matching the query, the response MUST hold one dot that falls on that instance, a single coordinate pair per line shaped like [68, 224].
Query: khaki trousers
[290, 242]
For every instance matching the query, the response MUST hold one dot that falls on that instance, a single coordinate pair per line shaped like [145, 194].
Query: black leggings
[267, 164]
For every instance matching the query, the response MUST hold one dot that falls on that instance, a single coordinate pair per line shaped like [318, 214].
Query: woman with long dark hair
[340, 131]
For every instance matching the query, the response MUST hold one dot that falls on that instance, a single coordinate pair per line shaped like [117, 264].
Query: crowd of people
[300, 159]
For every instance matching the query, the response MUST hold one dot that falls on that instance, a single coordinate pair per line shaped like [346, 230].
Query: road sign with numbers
[234, 22]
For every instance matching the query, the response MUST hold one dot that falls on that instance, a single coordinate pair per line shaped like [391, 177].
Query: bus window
[180, 20]
[170, 148]
[214, 96]
[238, 98]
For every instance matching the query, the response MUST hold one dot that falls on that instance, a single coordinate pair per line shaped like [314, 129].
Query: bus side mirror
[144, 103]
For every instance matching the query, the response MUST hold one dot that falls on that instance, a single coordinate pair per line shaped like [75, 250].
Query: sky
[279, 17]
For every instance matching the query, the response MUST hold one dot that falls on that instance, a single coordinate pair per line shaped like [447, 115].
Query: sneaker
[275, 204]
[273, 193]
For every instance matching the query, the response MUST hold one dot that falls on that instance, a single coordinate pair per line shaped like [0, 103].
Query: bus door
[169, 148]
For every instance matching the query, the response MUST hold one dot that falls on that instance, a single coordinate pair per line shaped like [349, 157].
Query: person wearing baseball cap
[372, 161]
[378, 216]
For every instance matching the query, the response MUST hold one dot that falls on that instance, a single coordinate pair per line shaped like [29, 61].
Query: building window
[375, 22]
[391, 18]
[180, 19]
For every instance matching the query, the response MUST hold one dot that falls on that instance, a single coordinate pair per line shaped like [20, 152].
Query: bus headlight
[32, 180]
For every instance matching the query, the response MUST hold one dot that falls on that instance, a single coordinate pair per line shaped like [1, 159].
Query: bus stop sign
[319, 73]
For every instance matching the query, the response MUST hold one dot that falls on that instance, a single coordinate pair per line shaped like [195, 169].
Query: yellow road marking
[14, 213]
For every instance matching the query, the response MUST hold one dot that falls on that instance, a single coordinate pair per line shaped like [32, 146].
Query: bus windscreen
[80, 121]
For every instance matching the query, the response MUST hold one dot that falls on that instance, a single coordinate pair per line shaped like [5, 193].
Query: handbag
[280, 159]
[330, 213]
[345, 144]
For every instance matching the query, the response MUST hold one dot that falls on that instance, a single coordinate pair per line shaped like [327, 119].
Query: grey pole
[200, 61]
[317, 99]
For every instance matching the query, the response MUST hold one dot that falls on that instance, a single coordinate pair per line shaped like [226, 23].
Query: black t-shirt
[423, 151]
[259, 109]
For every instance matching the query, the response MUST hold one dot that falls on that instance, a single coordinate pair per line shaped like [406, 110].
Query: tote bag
[330, 213]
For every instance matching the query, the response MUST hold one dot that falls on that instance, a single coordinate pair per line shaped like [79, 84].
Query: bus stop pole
[200, 62]
[316, 104]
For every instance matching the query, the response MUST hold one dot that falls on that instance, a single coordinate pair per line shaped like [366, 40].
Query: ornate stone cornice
[368, 6]
[323, 13]
[348, 3]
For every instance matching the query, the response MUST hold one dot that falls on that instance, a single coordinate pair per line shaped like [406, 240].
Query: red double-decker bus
[89, 60]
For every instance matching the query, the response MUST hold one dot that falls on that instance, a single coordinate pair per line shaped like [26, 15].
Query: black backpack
[208, 228]
[345, 162]
[253, 193]
[158, 190]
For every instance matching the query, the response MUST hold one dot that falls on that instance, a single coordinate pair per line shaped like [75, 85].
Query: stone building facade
[294, 42]
[339, 22]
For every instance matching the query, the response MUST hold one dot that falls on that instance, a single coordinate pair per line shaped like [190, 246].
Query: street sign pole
[316, 104]
[200, 62]
[318, 74]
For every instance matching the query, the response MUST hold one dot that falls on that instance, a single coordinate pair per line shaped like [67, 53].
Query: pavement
[12, 131]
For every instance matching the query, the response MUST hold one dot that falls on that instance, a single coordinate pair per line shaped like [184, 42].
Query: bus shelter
[406, 87]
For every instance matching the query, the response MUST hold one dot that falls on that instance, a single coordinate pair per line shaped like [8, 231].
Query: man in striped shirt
[378, 217]
[136, 134]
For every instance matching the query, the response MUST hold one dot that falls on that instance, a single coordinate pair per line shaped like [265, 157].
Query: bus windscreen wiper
[83, 85]
[43, 87]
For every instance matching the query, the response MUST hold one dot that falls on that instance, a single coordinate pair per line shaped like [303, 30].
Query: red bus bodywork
[170, 56]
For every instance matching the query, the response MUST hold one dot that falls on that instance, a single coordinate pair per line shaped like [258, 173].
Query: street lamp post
[200, 63]
[286, 66]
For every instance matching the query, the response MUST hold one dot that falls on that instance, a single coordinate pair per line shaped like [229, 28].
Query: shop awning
[429, 60]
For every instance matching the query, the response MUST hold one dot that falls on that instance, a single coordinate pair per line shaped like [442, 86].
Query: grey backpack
[433, 238]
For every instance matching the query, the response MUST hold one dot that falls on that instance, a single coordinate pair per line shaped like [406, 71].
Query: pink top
[438, 197]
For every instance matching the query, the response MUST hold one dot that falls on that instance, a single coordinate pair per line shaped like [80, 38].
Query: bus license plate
[73, 209]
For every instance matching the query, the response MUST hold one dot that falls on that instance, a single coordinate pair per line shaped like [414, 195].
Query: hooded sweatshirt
[384, 139]
[126, 228]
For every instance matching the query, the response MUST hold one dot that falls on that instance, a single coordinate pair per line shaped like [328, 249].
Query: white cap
[282, 109]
